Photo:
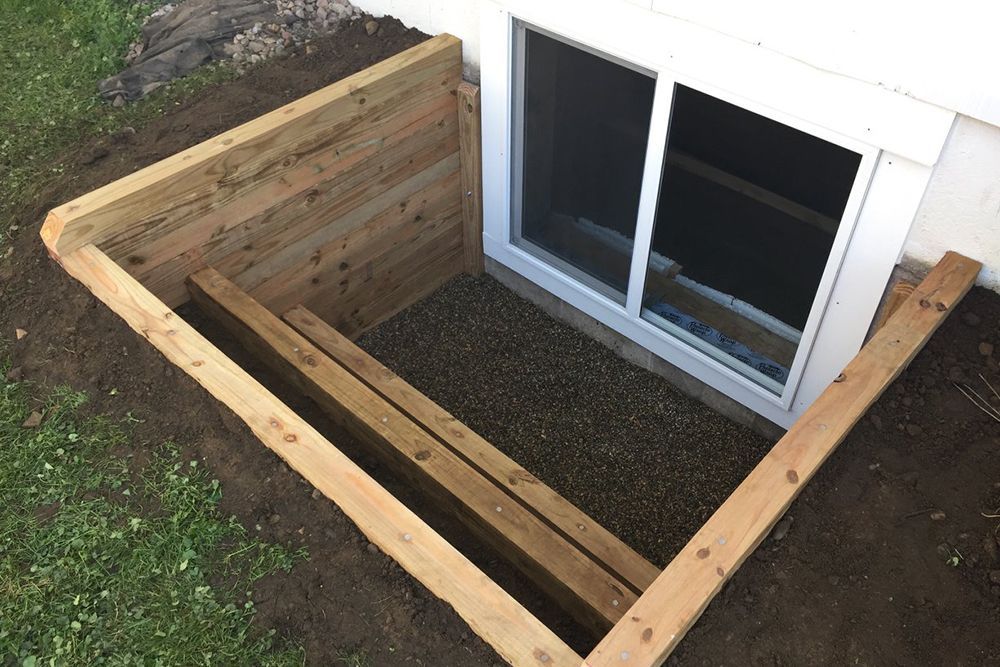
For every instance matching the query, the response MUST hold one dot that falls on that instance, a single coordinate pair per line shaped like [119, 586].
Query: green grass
[104, 563]
[52, 55]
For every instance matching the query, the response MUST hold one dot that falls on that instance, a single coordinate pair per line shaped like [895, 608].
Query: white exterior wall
[961, 208]
[941, 53]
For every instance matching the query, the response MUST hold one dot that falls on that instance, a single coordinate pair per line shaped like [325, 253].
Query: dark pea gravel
[643, 459]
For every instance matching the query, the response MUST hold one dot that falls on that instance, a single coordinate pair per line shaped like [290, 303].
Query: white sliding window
[723, 231]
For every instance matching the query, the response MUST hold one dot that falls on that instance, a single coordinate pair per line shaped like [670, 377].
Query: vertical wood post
[471, 152]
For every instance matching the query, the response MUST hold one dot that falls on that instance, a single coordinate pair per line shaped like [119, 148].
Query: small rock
[938, 515]
[781, 528]
[372, 548]
[311, 48]
[34, 420]
[913, 430]
[274, 518]
[876, 422]
[986, 349]
[971, 319]
[119, 102]
[20, 333]
[14, 374]
[834, 580]
[995, 576]
[371, 27]
[317, 494]
[257, 46]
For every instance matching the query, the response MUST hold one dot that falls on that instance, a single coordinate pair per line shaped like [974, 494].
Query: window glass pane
[747, 215]
[585, 124]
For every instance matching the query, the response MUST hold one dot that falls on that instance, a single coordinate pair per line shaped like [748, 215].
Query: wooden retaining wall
[348, 200]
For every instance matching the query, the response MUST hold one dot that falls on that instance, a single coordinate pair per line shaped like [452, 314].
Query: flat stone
[371, 27]
[34, 420]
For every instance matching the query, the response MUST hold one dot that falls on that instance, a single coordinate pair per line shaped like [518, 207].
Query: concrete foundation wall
[961, 208]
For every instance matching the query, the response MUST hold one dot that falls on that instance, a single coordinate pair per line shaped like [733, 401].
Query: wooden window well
[313, 223]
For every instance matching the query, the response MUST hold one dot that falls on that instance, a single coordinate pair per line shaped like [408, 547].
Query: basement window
[585, 126]
[747, 214]
[693, 217]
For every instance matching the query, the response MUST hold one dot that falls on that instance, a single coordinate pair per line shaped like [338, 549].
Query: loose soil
[862, 575]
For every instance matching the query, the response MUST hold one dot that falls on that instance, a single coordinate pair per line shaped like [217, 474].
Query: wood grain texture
[257, 239]
[593, 596]
[491, 613]
[169, 194]
[471, 133]
[666, 611]
[897, 296]
[615, 556]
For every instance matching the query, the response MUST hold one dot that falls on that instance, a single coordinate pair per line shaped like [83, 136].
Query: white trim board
[897, 137]
[902, 125]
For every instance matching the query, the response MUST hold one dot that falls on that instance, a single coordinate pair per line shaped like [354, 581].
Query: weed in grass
[100, 563]
[354, 658]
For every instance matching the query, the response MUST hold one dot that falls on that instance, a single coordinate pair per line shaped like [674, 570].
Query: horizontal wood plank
[363, 240]
[156, 190]
[653, 627]
[368, 293]
[519, 637]
[617, 557]
[292, 227]
[584, 589]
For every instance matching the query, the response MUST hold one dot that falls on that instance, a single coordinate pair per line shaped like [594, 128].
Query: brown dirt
[858, 579]
[347, 596]
[862, 577]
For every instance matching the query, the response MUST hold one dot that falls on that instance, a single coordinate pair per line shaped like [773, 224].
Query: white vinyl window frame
[886, 192]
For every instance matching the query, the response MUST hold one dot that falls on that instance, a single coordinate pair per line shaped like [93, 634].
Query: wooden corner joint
[52, 230]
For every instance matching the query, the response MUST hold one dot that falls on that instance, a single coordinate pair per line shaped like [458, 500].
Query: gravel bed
[643, 459]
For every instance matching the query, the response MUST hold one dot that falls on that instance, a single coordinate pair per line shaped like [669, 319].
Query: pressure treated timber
[576, 526]
[363, 268]
[491, 613]
[189, 184]
[289, 229]
[370, 293]
[654, 626]
[582, 587]
[471, 134]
